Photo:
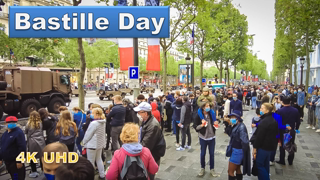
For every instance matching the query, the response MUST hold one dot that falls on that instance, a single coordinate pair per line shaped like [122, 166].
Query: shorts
[236, 156]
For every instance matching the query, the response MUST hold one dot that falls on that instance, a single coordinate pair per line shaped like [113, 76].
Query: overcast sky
[260, 17]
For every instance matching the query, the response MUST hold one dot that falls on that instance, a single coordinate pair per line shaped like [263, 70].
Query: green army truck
[27, 89]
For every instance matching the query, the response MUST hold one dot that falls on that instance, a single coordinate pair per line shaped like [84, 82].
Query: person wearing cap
[238, 148]
[13, 142]
[150, 131]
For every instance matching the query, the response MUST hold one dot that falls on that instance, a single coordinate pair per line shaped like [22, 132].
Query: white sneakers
[187, 147]
[177, 145]
[313, 128]
[318, 131]
[272, 163]
[308, 127]
[180, 149]
[34, 175]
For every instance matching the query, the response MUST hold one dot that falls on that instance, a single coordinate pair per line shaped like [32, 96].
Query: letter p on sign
[133, 72]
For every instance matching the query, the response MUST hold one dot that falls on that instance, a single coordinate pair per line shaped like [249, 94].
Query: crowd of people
[133, 131]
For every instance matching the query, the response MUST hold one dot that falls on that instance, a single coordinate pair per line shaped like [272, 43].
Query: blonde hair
[118, 98]
[34, 120]
[95, 106]
[130, 133]
[78, 109]
[62, 108]
[269, 107]
[99, 112]
[65, 122]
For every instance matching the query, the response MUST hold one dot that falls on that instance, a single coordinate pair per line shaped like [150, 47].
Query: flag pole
[135, 58]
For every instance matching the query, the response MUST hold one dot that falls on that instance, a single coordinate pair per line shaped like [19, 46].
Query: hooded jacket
[176, 112]
[95, 136]
[132, 150]
[186, 114]
[155, 111]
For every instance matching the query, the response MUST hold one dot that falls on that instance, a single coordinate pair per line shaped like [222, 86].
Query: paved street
[185, 165]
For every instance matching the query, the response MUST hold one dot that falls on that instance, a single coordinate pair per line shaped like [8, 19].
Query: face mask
[12, 125]
[276, 94]
[233, 121]
[295, 92]
[91, 116]
[140, 118]
[261, 113]
[224, 100]
[234, 98]
[49, 176]
[207, 109]
[314, 96]
[299, 91]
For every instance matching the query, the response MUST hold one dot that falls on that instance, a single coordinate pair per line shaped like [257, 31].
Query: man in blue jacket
[236, 105]
[13, 142]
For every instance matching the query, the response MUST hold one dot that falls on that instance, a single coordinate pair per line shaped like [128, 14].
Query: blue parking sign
[133, 72]
[204, 80]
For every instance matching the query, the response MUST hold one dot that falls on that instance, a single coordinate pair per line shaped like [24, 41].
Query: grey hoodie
[255, 120]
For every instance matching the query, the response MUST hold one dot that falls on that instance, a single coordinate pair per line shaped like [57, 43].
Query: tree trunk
[164, 82]
[227, 78]
[117, 76]
[99, 80]
[201, 73]
[82, 73]
[235, 75]
[220, 71]
[308, 60]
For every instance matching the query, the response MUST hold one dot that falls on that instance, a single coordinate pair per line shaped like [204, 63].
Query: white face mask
[140, 118]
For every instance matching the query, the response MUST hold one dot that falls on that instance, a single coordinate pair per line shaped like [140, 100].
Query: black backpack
[133, 169]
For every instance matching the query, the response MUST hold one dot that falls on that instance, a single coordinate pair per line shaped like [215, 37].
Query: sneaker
[34, 175]
[272, 163]
[189, 147]
[180, 149]
[213, 173]
[201, 173]
[318, 131]
[313, 128]
[308, 127]
[177, 145]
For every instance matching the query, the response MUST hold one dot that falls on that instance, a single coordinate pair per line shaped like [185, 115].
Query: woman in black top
[238, 149]
[265, 141]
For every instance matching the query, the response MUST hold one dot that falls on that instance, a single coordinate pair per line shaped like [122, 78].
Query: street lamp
[301, 62]
[188, 62]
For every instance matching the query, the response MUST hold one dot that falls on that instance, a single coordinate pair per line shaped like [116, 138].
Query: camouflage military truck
[126, 90]
[110, 93]
[75, 92]
[147, 89]
[169, 88]
[27, 89]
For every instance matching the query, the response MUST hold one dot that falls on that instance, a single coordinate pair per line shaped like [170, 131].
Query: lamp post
[188, 62]
[301, 62]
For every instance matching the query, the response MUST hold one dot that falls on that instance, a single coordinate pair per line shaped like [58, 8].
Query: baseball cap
[144, 106]
[11, 119]
[205, 89]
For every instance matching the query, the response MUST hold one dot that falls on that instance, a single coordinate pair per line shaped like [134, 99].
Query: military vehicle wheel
[3, 85]
[13, 113]
[101, 92]
[131, 92]
[77, 95]
[123, 95]
[1, 112]
[153, 91]
[110, 97]
[54, 105]
[141, 92]
[147, 91]
[28, 106]
[101, 98]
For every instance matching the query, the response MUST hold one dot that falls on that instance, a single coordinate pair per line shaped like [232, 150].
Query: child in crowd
[255, 121]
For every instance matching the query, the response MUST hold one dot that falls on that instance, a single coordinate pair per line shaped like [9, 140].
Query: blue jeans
[258, 104]
[174, 126]
[254, 102]
[203, 149]
[263, 164]
[79, 139]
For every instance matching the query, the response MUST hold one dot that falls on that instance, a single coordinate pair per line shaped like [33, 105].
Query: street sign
[134, 83]
[133, 72]
[204, 80]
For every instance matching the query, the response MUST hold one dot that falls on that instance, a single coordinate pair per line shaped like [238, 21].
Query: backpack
[219, 98]
[67, 140]
[133, 169]
[51, 137]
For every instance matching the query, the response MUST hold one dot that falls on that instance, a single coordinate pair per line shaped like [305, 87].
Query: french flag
[192, 36]
[153, 62]
[125, 53]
